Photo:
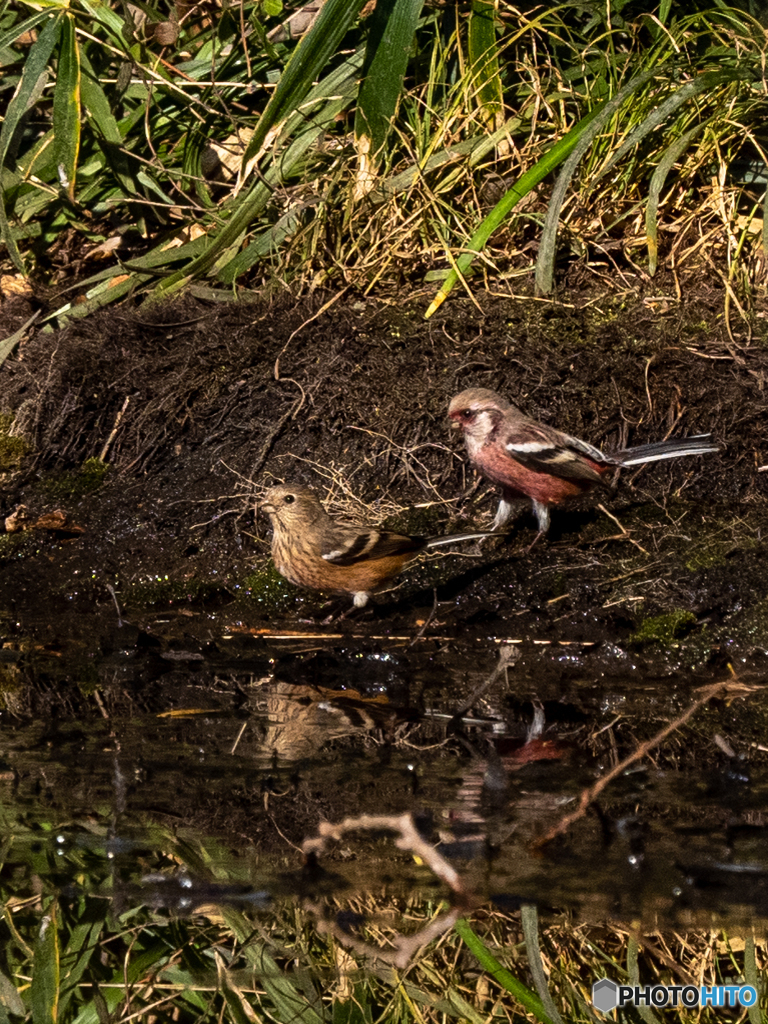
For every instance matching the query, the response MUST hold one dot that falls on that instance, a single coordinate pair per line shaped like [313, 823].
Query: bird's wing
[347, 544]
[547, 450]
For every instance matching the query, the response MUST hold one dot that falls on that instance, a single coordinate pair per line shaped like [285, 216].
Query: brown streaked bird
[531, 459]
[312, 550]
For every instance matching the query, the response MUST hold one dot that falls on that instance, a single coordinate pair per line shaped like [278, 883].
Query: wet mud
[152, 430]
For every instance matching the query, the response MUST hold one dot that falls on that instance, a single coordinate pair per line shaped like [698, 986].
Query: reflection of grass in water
[76, 949]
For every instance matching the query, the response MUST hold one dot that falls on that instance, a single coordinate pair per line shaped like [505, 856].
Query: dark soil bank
[196, 407]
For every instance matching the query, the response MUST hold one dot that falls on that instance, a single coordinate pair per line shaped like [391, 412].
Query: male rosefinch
[312, 550]
[531, 459]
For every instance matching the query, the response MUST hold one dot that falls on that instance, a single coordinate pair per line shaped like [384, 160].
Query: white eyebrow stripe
[530, 446]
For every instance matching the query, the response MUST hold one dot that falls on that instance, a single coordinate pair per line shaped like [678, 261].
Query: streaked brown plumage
[532, 459]
[312, 550]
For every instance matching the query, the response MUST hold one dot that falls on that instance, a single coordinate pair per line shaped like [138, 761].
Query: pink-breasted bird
[531, 459]
[312, 550]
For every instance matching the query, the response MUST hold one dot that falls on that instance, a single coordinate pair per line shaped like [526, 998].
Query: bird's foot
[534, 542]
[486, 544]
[339, 614]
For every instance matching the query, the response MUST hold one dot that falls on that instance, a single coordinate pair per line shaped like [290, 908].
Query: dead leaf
[106, 248]
[57, 520]
[15, 284]
[18, 520]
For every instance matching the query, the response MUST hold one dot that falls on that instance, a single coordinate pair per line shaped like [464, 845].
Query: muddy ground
[194, 408]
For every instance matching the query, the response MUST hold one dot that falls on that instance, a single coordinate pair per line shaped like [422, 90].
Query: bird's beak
[455, 425]
[266, 507]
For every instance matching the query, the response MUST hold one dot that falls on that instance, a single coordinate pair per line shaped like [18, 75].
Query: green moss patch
[83, 481]
[664, 629]
[167, 591]
[269, 590]
[13, 544]
[12, 448]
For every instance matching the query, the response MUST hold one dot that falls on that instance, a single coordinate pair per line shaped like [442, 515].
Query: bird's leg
[337, 615]
[542, 518]
[504, 513]
[359, 600]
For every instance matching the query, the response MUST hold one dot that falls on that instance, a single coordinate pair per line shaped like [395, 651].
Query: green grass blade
[268, 241]
[545, 263]
[66, 107]
[157, 258]
[9, 37]
[633, 973]
[703, 83]
[307, 61]
[286, 998]
[118, 286]
[104, 125]
[392, 28]
[35, 67]
[501, 975]
[44, 988]
[509, 200]
[264, 245]
[530, 921]
[10, 999]
[469, 151]
[751, 978]
[76, 958]
[289, 1002]
[670, 158]
[149, 961]
[104, 15]
[462, 1009]
[484, 60]
[356, 1010]
[7, 345]
[240, 1010]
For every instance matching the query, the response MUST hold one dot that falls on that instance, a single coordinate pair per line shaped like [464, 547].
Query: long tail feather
[455, 538]
[674, 448]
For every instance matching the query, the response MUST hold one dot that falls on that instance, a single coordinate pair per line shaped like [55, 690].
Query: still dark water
[236, 750]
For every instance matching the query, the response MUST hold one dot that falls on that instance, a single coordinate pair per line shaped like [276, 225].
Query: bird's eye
[289, 499]
[468, 414]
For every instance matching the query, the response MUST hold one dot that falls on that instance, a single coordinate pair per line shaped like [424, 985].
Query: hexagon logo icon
[605, 995]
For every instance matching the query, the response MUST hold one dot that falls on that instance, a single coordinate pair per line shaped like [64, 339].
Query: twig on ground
[624, 535]
[275, 432]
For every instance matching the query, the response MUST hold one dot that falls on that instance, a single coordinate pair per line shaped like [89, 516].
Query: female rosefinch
[530, 459]
[312, 550]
